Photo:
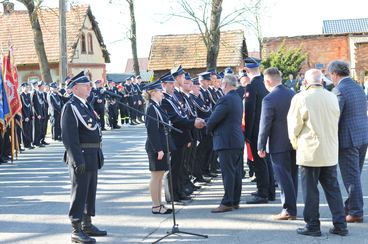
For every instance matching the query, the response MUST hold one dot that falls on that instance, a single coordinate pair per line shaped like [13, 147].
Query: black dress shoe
[213, 175]
[90, 229]
[271, 198]
[307, 232]
[184, 198]
[103, 129]
[339, 231]
[202, 180]
[197, 187]
[45, 143]
[188, 191]
[94, 231]
[257, 200]
[79, 236]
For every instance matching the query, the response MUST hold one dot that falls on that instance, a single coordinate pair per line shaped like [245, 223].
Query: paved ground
[34, 200]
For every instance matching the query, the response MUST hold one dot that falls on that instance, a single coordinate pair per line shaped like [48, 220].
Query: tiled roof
[143, 63]
[345, 26]
[16, 28]
[189, 50]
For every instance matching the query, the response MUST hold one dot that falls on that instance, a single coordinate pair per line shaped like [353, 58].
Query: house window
[90, 43]
[83, 43]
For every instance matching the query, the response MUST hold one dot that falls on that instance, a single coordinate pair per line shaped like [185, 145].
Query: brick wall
[361, 65]
[321, 49]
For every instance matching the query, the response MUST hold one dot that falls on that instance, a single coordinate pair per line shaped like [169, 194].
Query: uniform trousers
[124, 114]
[327, 176]
[351, 162]
[83, 194]
[100, 110]
[231, 163]
[38, 128]
[132, 113]
[176, 171]
[55, 126]
[264, 174]
[27, 133]
[204, 151]
[45, 121]
[113, 115]
[286, 173]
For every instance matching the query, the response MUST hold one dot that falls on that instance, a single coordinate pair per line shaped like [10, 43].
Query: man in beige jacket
[313, 131]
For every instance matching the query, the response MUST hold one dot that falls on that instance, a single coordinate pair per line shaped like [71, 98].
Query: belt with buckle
[90, 145]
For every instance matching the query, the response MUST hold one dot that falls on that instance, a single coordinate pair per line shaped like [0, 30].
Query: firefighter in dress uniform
[82, 137]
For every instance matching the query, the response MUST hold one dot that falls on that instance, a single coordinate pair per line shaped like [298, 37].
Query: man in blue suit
[225, 125]
[353, 136]
[273, 127]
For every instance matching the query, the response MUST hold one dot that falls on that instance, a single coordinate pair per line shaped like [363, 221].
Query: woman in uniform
[156, 146]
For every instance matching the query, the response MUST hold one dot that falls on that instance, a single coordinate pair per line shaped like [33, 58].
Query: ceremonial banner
[4, 106]
[11, 88]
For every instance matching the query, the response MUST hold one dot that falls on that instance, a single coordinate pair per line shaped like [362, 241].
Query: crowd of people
[280, 126]
[42, 105]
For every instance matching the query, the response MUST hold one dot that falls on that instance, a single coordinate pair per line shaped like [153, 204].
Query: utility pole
[63, 62]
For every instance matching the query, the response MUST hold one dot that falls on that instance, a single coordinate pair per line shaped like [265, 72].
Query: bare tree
[207, 14]
[131, 32]
[133, 37]
[255, 10]
[33, 7]
[214, 35]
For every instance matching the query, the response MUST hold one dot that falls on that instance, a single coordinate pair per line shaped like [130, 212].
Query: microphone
[112, 94]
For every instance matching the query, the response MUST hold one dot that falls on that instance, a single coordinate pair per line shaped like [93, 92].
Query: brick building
[341, 39]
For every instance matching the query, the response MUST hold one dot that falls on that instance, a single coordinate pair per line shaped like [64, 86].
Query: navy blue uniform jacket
[156, 139]
[254, 94]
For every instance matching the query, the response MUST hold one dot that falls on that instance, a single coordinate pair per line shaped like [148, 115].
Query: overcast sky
[281, 18]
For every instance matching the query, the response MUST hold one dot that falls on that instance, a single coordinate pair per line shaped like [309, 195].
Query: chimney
[8, 7]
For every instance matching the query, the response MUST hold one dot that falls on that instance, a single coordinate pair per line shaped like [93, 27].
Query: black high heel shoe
[161, 207]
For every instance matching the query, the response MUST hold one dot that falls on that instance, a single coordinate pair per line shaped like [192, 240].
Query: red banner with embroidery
[11, 87]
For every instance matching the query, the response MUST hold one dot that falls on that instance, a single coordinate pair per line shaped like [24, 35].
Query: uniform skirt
[157, 165]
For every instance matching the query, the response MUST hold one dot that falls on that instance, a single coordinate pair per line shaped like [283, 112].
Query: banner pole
[16, 140]
[12, 139]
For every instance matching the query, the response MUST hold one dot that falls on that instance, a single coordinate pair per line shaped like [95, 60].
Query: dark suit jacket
[254, 94]
[273, 124]
[225, 123]
[353, 124]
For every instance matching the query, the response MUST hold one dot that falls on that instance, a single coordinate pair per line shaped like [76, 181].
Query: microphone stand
[167, 128]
